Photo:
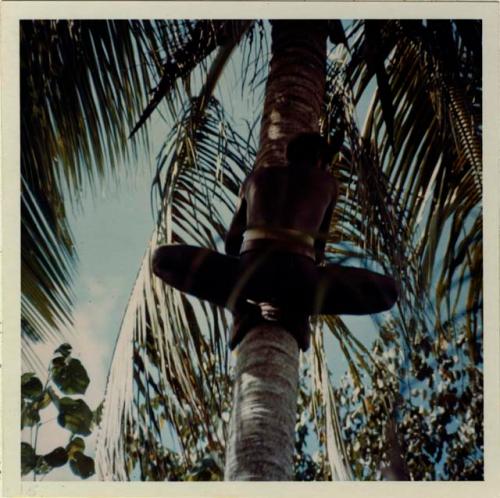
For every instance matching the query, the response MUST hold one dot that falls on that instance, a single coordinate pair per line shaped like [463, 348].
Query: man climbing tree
[418, 152]
[274, 243]
[274, 247]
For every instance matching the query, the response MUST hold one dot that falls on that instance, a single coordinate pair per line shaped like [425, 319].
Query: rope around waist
[282, 234]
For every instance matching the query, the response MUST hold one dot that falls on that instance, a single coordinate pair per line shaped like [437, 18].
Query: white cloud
[96, 323]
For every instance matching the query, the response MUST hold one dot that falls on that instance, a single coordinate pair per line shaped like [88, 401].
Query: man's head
[307, 149]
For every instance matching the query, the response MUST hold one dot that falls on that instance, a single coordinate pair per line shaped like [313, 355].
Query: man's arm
[320, 243]
[234, 236]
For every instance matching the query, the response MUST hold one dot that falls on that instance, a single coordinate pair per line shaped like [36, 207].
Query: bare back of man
[292, 201]
[274, 246]
[289, 197]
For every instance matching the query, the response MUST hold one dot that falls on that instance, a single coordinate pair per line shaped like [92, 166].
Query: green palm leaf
[178, 341]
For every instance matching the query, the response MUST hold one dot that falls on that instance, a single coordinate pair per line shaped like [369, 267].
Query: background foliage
[66, 376]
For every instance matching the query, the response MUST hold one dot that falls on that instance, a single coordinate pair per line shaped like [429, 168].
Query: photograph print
[251, 250]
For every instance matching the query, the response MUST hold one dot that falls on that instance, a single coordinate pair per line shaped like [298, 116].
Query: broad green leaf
[75, 445]
[57, 457]
[44, 401]
[71, 378]
[64, 349]
[31, 386]
[25, 377]
[58, 362]
[29, 416]
[82, 465]
[42, 467]
[75, 416]
[28, 458]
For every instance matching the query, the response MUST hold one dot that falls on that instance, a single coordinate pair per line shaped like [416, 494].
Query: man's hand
[268, 311]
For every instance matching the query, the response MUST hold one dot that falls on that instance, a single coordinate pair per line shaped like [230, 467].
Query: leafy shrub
[66, 377]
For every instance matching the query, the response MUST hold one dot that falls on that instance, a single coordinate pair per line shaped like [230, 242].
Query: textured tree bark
[295, 87]
[261, 433]
[260, 446]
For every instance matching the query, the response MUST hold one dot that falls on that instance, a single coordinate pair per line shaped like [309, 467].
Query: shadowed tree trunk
[397, 469]
[261, 433]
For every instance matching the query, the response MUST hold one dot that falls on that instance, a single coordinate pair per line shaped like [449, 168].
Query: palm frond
[422, 177]
[177, 344]
[201, 40]
[335, 448]
[83, 84]
[414, 185]
[46, 270]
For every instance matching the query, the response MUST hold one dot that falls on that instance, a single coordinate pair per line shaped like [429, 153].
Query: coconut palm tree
[410, 203]
[261, 432]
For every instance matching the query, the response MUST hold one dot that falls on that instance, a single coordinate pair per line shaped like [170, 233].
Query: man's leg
[245, 317]
[273, 283]
[212, 276]
[250, 314]
[352, 291]
[200, 272]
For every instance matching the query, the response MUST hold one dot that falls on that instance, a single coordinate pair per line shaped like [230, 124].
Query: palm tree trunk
[295, 87]
[261, 430]
[260, 446]
[397, 469]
